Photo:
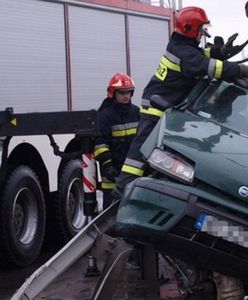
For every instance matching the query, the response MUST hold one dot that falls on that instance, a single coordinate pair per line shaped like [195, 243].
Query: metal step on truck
[56, 59]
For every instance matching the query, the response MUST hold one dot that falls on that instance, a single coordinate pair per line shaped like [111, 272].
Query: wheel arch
[26, 154]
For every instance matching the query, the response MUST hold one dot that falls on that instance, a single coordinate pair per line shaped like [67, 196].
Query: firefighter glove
[218, 41]
[228, 50]
[110, 173]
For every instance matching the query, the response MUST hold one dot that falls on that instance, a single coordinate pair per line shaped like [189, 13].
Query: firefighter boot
[228, 288]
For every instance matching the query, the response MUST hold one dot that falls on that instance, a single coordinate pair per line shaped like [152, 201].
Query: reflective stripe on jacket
[180, 68]
[133, 167]
[118, 125]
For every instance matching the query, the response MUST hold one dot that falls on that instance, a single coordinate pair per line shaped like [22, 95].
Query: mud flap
[117, 255]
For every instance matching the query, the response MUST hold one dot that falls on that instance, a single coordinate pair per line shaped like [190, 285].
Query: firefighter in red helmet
[190, 20]
[180, 68]
[120, 81]
[118, 120]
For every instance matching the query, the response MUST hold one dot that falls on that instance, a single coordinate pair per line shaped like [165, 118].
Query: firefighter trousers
[134, 164]
[107, 197]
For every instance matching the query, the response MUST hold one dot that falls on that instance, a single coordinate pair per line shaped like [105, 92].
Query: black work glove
[228, 50]
[110, 172]
[218, 41]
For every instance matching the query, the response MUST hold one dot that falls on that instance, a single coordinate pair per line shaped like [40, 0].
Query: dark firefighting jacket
[118, 125]
[180, 68]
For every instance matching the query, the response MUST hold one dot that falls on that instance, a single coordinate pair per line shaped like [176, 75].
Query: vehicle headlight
[171, 164]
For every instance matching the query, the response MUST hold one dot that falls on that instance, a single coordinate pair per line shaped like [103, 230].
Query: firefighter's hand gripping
[229, 50]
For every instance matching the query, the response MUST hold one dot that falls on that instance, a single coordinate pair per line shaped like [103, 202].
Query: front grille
[161, 218]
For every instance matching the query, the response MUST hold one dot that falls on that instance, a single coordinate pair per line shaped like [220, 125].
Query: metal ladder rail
[70, 253]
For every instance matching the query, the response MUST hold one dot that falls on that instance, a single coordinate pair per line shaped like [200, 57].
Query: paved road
[74, 285]
[12, 279]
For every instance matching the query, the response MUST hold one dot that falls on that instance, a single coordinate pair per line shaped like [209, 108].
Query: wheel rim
[75, 204]
[25, 216]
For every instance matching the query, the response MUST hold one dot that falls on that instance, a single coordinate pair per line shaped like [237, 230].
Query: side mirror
[246, 9]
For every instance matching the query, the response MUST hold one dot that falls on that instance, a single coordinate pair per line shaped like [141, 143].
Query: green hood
[219, 153]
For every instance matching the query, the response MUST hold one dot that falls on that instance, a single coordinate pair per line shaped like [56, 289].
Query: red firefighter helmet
[120, 81]
[189, 20]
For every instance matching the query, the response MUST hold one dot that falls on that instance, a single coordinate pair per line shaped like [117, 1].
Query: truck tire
[22, 218]
[69, 210]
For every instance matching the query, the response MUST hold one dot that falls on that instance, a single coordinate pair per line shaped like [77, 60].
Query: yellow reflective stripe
[173, 66]
[163, 67]
[125, 126]
[218, 68]
[207, 52]
[108, 185]
[107, 161]
[124, 132]
[152, 111]
[132, 170]
[100, 150]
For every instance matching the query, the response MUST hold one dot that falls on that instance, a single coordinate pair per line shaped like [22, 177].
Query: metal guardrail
[70, 253]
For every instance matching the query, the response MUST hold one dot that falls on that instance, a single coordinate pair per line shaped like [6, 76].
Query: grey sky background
[227, 17]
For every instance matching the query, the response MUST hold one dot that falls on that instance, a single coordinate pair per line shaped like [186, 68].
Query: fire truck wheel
[68, 210]
[22, 218]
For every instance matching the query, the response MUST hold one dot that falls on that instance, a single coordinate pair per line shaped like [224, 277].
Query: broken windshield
[225, 103]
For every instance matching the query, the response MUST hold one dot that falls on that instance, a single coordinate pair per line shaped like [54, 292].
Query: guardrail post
[149, 263]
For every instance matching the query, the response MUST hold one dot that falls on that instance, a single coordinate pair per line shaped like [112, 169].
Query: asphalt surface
[75, 285]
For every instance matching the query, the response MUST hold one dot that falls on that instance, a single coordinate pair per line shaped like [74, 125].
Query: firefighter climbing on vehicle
[180, 68]
[118, 120]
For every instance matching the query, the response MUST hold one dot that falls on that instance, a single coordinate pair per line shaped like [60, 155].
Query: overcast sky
[227, 17]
